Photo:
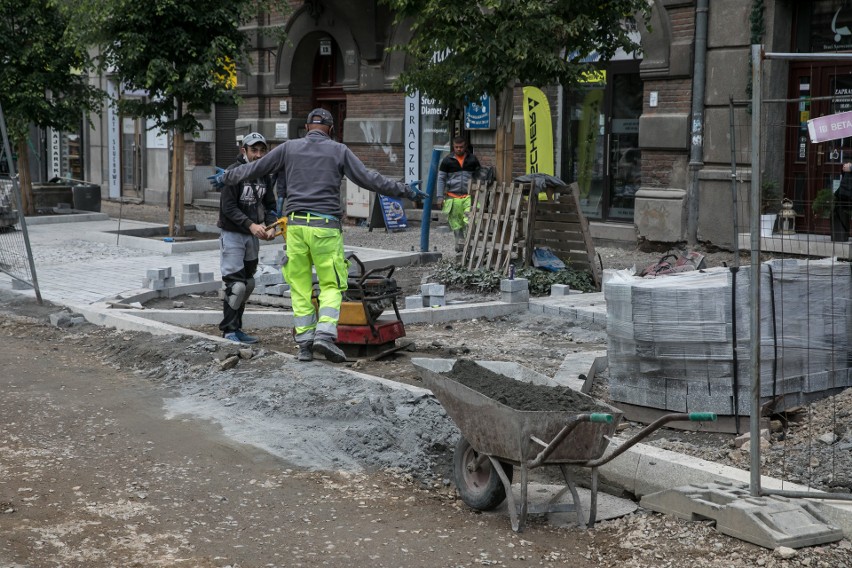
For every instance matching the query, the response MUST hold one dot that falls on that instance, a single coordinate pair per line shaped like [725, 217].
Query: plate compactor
[362, 331]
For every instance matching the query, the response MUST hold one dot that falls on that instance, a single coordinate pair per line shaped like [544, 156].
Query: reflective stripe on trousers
[322, 249]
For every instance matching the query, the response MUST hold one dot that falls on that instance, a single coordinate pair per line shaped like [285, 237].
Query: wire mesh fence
[16, 258]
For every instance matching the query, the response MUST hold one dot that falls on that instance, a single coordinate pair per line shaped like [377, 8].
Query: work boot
[232, 336]
[244, 337]
[306, 355]
[331, 351]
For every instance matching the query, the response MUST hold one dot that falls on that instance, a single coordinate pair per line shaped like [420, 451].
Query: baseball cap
[320, 116]
[254, 138]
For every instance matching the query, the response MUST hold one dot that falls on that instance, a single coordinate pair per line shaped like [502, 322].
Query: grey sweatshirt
[312, 168]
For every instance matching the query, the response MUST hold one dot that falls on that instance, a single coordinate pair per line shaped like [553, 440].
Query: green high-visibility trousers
[321, 249]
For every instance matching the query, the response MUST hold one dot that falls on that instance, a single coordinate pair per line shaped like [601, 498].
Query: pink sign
[830, 127]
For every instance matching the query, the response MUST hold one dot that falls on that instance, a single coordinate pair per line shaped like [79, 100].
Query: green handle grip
[597, 417]
[702, 416]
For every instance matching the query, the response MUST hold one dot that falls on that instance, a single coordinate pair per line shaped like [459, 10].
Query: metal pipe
[431, 181]
[807, 495]
[754, 275]
[696, 142]
[734, 204]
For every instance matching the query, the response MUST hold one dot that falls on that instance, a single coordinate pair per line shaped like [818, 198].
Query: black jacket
[454, 177]
[241, 205]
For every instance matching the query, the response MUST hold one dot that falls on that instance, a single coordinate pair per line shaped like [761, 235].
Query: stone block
[436, 301]
[515, 285]
[638, 396]
[161, 283]
[158, 273]
[190, 277]
[413, 302]
[522, 296]
[269, 279]
[560, 289]
[190, 268]
[432, 290]
[277, 289]
[207, 277]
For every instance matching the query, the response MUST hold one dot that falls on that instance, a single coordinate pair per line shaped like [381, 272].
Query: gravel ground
[811, 446]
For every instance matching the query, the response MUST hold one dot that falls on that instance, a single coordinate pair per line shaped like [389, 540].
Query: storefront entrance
[821, 88]
[602, 141]
[131, 157]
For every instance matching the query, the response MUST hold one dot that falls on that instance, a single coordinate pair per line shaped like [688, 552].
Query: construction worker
[310, 171]
[451, 194]
[244, 211]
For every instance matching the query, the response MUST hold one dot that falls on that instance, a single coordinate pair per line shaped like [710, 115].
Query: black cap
[320, 116]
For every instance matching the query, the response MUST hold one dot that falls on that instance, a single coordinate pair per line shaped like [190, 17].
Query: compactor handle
[702, 416]
[598, 417]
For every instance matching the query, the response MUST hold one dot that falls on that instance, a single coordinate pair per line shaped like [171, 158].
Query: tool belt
[308, 219]
[456, 195]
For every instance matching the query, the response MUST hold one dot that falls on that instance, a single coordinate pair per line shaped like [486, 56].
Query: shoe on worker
[244, 337]
[331, 351]
[305, 353]
[232, 336]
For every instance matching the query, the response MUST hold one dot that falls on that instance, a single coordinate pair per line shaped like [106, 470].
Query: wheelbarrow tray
[506, 433]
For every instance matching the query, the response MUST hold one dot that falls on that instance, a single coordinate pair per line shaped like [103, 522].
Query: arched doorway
[327, 83]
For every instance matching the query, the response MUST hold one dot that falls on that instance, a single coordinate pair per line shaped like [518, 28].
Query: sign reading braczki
[831, 127]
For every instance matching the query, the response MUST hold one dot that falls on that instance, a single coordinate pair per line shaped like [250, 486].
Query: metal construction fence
[16, 257]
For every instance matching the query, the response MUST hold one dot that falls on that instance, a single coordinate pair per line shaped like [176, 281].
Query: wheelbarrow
[496, 438]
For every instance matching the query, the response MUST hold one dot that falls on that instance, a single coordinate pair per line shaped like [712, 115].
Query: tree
[42, 77]
[462, 50]
[183, 54]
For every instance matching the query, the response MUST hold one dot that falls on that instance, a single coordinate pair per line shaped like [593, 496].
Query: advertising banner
[538, 132]
[831, 127]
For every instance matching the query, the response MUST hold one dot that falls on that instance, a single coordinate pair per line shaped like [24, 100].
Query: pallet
[492, 239]
[559, 224]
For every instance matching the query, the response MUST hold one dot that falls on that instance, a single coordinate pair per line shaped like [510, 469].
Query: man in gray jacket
[310, 171]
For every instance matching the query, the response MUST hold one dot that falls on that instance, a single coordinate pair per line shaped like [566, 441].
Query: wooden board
[559, 224]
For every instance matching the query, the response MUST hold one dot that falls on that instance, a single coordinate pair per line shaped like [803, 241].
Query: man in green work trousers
[451, 195]
[310, 171]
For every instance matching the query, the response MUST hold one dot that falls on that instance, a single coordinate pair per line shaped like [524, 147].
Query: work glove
[216, 179]
[413, 193]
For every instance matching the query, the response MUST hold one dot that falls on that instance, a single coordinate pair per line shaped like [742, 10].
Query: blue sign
[393, 213]
[479, 115]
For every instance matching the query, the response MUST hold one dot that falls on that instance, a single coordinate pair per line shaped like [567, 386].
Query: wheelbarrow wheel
[479, 488]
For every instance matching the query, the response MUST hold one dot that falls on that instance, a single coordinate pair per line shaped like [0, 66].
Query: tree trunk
[505, 135]
[179, 180]
[25, 181]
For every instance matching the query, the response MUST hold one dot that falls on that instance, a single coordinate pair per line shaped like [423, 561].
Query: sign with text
[479, 115]
[391, 213]
[831, 127]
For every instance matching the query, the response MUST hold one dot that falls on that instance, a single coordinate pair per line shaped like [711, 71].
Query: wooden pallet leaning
[560, 225]
[494, 233]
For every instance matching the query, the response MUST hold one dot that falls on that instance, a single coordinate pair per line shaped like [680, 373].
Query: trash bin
[49, 196]
[86, 196]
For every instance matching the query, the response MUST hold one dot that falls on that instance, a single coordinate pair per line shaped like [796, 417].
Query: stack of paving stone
[158, 278]
[190, 274]
[270, 281]
[672, 339]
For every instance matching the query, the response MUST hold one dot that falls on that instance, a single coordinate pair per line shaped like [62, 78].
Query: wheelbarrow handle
[598, 417]
[702, 416]
[655, 425]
